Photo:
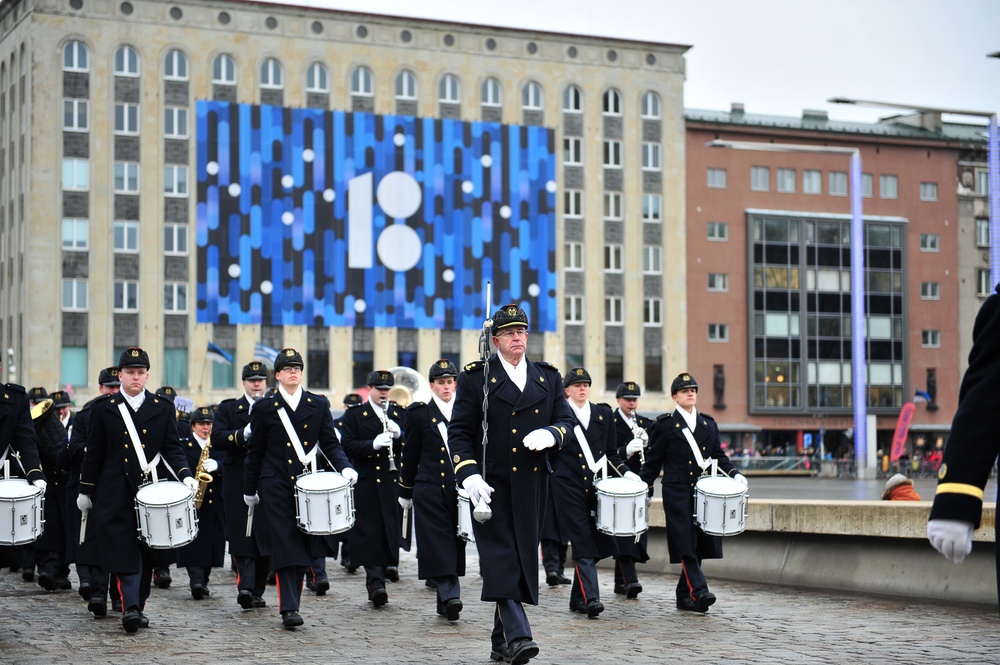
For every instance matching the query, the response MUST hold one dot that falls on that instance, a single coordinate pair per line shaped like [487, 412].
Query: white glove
[540, 439]
[211, 465]
[40, 484]
[405, 504]
[350, 475]
[477, 488]
[383, 440]
[191, 484]
[952, 538]
[643, 436]
[741, 479]
[631, 475]
[394, 428]
[634, 446]
[84, 503]
[251, 500]
[246, 432]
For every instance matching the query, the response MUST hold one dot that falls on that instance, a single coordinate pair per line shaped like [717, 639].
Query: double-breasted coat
[17, 433]
[231, 418]
[627, 545]
[111, 474]
[508, 541]
[272, 467]
[209, 546]
[427, 476]
[69, 460]
[670, 451]
[375, 537]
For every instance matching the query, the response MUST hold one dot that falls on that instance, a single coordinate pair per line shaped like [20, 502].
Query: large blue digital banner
[329, 218]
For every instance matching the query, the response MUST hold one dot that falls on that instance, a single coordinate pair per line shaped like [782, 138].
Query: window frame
[652, 260]
[723, 226]
[982, 232]
[718, 332]
[76, 104]
[812, 182]
[362, 82]
[613, 206]
[755, 171]
[171, 299]
[652, 160]
[611, 104]
[572, 151]
[130, 113]
[930, 339]
[489, 89]
[227, 65]
[614, 311]
[930, 290]
[654, 113]
[532, 96]
[613, 154]
[574, 96]
[718, 277]
[271, 69]
[930, 242]
[714, 176]
[783, 177]
[130, 73]
[572, 203]
[180, 188]
[75, 305]
[885, 179]
[322, 86]
[573, 305]
[129, 176]
[928, 191]
[176, 230]
[120, 297]
[984, 285]
[449, 89]
[573, 256]
[405, 86]
[834, 181]
[75, 223]
[76, 162]
[176, 60]
[652, 312]
[129, 227]
[652, 212]
[78, 48]
[614, 258]
[172, 115]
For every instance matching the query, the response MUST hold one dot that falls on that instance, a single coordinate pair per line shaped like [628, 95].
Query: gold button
[126, 460]
[305, 426]
[513, 450]
[143, 431]
[442, 475]
[144, 446]
[542, 379]
[513, 413]
[514, 469]
[536, 468]
[288, 445]
[583, 466]
[289, 461]
[378, 480]
[126, 446]
[536, 411]
[580, 455]
[442, 448]
[442, 461]
[514, 431]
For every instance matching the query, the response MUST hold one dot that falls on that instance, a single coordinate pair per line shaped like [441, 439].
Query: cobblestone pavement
[750, 624]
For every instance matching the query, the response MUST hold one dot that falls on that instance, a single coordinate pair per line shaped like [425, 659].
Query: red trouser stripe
[684, 576]
[579, 580]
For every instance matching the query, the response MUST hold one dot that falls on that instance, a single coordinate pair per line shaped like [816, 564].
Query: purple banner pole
[993, 164]
[858, 318]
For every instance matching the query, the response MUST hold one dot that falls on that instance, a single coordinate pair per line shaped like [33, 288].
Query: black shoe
[577, 606]
[63, 584]
[85, 591]
[521, 651]
[594, 607]
[686, 604]
[431, 584]
[322, 587]
[704, 600]
[271, 578]
[244, 599]
[379, 597]
[97, 607]
[392, 574]
[259, 602]
[143, 620]
[28, 575]
[563, 579]
[498, 653]
[291, 619]
[116, 606]
[162, 579]
[310, 585]
[633, 589]
[351, 568]
[47, 582]
[452, 608]
[130, 620]
[199, 591]
[620, 589]
[552, 579]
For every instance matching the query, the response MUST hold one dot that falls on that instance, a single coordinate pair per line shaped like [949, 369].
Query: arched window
[448, 89]
[406, 85]
[362, 84]
[612, 102]
[572, 100]
[491, 92]
[651, 106]
[270, 74]
[75, 57]
[531, 96]
[224, 70]
[175, 67]
[126, 61]
[317, 79]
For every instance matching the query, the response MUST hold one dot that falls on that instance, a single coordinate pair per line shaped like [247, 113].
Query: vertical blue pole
[993, 165]
[858, 319]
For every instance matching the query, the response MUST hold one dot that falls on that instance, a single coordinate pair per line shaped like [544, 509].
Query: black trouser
[289, 580]
[625, 571]
[318, 569]
[553, 556]
[692, 581]
[374, 578]
[251, 573]
[448, 587]
[585, 586]
[199, 575]
[509, 623]
[134, 587]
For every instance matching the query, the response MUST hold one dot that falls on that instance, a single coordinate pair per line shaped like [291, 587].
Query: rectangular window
[982, 232]
[930, 291]
[983, 286]
[718, 332]
[573, 309]
[318, 375]
[718, 231]
[812, 182]
[867, 185]
[982, 182]
[717, 178]
[613, 311]
[74, 295]
[175, 181]
[652, 260]
[175, 122]
[76, 115]
[75, 233]
[652, 312]
[126, 236]
[612, 205]
[718, 281]
[838, 183]
[651, 157]
[572, 150]
[75, 174]
[74, 366]
[612, 154]
[760, 178]
[888, 187]
[126, 178]
[175, 298]
[126, 118]
[612, 258]
[573, 257]
[573, 203]
[126, 296]
[175, 368]
[786, 181]
[930, 242]
[652, 208]
[928, 191]
[175, 239]
[930, 339]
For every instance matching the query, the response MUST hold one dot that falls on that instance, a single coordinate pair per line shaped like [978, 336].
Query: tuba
[410, 386]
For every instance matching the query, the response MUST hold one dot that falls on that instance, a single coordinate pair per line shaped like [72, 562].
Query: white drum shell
[621, 507]
[465, 517]
[720, 506]
[324, 503]
[166, 514]
[22, 512]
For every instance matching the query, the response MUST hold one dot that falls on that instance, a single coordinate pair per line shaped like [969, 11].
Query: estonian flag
[218, 355]
[265, 353]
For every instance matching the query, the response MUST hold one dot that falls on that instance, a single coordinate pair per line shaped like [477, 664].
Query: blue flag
[216, 354]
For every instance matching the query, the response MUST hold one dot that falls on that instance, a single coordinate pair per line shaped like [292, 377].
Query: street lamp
[858, 357]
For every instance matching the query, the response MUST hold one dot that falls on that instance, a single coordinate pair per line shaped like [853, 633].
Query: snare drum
[720, 506]
[465, 517]
[167, 518]
[22, 511]
[324, 503]
[621, 507]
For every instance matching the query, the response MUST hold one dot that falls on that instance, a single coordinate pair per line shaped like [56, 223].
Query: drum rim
[164, 486]
[333, 475]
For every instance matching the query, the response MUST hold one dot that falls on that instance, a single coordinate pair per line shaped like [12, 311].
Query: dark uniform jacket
[375, 537]
[272, 467]
[670, 451]
[209, 547]
[51, 438]
[231, 417]
[111, 475]
[427, 476]
[17, 433]
[508, 541]
[70, 460]
[573, 491]
[627, 545]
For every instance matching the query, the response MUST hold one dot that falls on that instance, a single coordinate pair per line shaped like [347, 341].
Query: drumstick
[249, 520]
[83, 526]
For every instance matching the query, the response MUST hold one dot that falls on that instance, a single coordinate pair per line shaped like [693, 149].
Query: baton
[83, 526]
[249, 520]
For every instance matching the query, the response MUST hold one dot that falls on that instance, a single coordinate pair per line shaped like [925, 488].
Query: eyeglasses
[291, 368]
[518, 332]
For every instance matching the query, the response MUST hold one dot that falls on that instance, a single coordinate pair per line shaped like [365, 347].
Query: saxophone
[203, 477]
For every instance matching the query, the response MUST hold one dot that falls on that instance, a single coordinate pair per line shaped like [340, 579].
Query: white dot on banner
[235, 189]
[234, 270]
[448, 275]
[308, 155]
[360, 306]
[550, 186]
[399, 247]
[486, 161]
[399, 194]
[329, 195]
[505, 212]
[467, 186]
[287, 181]
[399, 139]
[287, 217]
[533, 290]
[266, 287]
[212, 168]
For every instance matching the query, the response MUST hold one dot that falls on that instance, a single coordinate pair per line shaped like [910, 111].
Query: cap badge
[511, 311]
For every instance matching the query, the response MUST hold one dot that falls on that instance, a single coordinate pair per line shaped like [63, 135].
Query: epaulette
[665, 416]
[14, 387]
[231, 399]
[166, 397]
[547, 365]
[705, 415]
[101, 398]
[415, 405]
[475, 365]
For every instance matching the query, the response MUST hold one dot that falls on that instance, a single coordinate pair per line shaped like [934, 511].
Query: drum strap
[133, 434]
[306, 460]
[443, 431]
[698, 459]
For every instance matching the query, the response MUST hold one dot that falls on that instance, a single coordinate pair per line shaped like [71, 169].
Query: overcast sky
[775, 56]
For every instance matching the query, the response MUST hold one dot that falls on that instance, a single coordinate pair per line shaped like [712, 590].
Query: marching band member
[630, 428]
[572, 486]
[528, 420]
[670, 449]
[208, 549]
[276, 455]
[230, 433]
[372, 435]
[115, 465]
[350, 401]
[427, 484]
[50, 546]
